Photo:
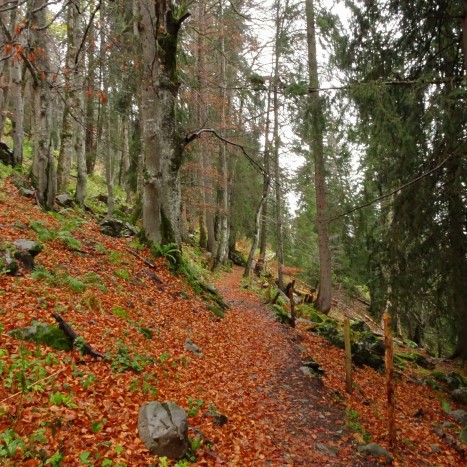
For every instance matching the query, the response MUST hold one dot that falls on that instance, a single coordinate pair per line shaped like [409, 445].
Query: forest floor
[62, 408]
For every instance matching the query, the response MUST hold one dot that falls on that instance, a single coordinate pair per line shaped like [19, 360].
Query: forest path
[298, 422]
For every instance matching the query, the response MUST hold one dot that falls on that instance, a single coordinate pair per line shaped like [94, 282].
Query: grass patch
[120, 312]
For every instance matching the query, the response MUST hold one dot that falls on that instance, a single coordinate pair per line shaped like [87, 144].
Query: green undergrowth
[190, 265]
[23, 371]
[65, 236]
[96, 189]
[61, 278]
[41, 333]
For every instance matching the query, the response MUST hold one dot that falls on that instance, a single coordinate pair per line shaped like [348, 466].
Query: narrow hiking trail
[291, 419]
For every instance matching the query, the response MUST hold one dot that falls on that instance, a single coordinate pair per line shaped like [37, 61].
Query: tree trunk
[457, 253]
[315, 136]
[163, 148]
[90, 148]
[17, 102]
[204, 160]
[125, 165]
[223, 206]
[259, 209]
[464, 36]
[259, 268]
[68, 125]
[80, 120]
[43, 168]
[277, 171]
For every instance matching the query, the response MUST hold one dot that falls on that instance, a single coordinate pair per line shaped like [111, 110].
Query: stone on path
[375, 450]
[192, 347]
[163, 428]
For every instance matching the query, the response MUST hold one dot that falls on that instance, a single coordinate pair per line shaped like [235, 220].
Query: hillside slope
[60, 408]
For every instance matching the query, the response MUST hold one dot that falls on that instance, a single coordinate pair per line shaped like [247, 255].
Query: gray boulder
[163, 428]
[64, 200]
[328, 450]
[460, 395]
[43, 333]
[192, 347]
[26, 192]
[375, 450]
[117, 228]
[460, 416]
[30, 246]
[25, 252]
[8, 264]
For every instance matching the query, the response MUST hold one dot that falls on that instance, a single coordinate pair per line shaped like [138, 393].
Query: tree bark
[43, 168]
[277, 171]
[315, 136]
[259, 268]
[223, 202]
[68, 125]
[105, 115]
[16, 76]
[163, 147]
[259, 209]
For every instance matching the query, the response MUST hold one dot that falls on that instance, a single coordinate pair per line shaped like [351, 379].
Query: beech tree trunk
[68, 126]
[43, 168]
[163, 147]
[16, 77]
[315, 136]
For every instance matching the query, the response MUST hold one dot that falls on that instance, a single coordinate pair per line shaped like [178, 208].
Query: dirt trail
[291, 415]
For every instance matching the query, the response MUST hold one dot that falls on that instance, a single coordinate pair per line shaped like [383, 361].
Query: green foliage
[122, 274]
[44, 334]
[11, 442]
[79, 343]
[45, 235]
[95, 280]
[55, 460]
[84, 458]
[216, 310]
[146, 332]
[136, 244]
[297, 89]
[194, 405]
[170, 252]
[59, 398]
[66, 237]
[120, 312]
[13, 446]
[75, 285]
[98, 426]
[5, 171]
[62, 278]
[353, 422]
[115, 257]
[23, 371]
[163, 357]
[88, 380]
[446, 406]
[123, 360]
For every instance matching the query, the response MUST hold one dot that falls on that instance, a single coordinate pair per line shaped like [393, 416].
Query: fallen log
[144, 260]
[72, 335]
[154, 277]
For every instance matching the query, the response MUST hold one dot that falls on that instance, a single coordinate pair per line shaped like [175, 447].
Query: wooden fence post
[348, 356]
[290, 290]
[389, 379]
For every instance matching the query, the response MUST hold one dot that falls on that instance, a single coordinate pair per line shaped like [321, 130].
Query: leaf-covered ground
[60, 407]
